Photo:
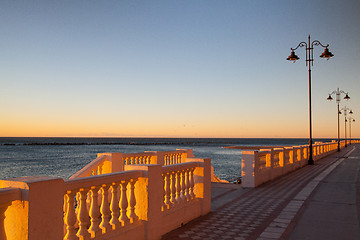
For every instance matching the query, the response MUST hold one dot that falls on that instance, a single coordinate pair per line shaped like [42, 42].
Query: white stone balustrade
[258, 167]
[144, 201]
[178, 184]
[115, 162]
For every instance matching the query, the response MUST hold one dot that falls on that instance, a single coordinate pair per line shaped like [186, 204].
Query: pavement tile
[246, 216]
[275, 229]
[271, 235]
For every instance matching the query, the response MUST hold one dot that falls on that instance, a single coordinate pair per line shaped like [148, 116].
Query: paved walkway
[315, 202]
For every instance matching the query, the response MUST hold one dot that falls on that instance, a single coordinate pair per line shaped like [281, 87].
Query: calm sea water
[62, 157]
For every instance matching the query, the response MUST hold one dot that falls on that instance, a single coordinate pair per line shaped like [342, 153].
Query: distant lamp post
[309, 47]
[337, 93]
[350, 120]
[345, 110]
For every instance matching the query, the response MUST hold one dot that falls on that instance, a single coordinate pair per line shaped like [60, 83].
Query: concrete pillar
[150, 194]
[39, 215]
[202, 178]
[248, 172]
[116, 161]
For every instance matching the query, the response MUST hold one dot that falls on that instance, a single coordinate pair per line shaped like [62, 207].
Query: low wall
[144, 201]
[258, 167]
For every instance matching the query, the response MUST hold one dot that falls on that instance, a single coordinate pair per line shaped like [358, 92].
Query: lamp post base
[310, 162]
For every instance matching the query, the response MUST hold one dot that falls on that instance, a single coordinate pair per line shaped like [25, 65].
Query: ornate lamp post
[309, 47]
[345, 110]
[337, 94]
[350, 120]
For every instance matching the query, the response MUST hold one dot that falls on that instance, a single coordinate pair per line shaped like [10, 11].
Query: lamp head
[326, 54]
[339, 112]
[351, 112]
[293, 56]
[329, 98]
[346, 97]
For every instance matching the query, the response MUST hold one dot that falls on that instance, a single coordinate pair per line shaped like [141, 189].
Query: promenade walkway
[315, 202]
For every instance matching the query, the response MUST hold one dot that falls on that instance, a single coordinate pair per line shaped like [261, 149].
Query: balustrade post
[159, 158]
[151, 190]
[116, 160]
[202, 182]
[249, 168]
[40, 211]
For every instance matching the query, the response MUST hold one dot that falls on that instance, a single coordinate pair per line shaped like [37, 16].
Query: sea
[62, 157]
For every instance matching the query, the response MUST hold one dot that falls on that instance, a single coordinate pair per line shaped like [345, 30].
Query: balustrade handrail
[141, 154]
[143, 198]
[87, 182]
[109, 160]
[280, 160]
[89, 168]
[179, 166]
[7, 195]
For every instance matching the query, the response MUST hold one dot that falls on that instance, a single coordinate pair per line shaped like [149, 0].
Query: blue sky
[174, 68]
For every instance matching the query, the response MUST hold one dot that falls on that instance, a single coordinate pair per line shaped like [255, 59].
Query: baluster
[114, 207]
[105, 210]
[94, 213]
[132, 201]
[183, 186]
[93, 173]
[163, 205]
[123, 204]
[187, 185]
[192, 184]
[83, 215]
[148, 160]
[178, 187]
[173, 188]
[167, 190]
[70, 216]
[99, 169]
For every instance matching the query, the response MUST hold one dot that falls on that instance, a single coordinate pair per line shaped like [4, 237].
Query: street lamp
[309, 47]
[350, 120]
[345, 110]
[337, 93]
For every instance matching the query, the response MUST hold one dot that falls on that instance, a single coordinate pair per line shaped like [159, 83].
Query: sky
[175, 68]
